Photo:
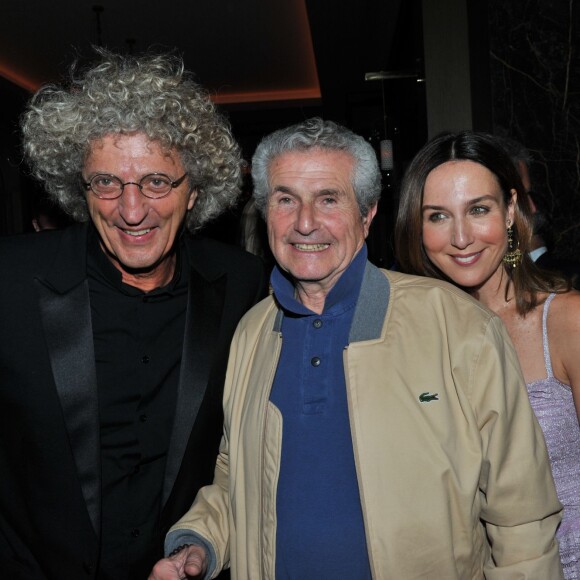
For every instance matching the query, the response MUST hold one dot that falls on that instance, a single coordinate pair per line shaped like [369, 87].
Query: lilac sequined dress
[552, 402]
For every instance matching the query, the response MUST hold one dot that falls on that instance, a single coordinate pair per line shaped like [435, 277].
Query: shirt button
[145, 359]
[317, 323]
[142, 418]
[315, 362]
[135, 532]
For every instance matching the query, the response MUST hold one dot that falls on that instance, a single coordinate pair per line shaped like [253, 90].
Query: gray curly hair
[317, 133]
[151, 94]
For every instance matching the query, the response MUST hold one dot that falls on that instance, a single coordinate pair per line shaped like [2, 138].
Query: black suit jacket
[49, 423]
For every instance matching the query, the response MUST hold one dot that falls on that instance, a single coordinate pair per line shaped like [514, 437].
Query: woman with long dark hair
[465, 217]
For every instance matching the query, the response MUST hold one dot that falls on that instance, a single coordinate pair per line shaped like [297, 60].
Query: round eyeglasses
[153, 186]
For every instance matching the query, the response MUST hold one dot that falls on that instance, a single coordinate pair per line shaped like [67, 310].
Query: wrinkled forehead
[314, 165]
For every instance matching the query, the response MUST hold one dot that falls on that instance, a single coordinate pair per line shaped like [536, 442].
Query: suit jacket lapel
[66, 317]
[67, 326]
[202, 324]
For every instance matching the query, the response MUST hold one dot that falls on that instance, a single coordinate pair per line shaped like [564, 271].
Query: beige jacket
[452, 486]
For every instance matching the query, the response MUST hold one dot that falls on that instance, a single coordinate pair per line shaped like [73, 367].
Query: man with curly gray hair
[115, 331]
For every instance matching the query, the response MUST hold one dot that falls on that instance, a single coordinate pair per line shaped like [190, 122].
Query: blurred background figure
[465, 217]
[252, 233]
[46, 215]
[542, 242]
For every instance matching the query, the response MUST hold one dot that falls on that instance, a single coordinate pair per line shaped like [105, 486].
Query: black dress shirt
[138, 340]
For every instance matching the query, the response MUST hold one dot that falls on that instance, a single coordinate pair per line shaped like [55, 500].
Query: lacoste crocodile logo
[428, 397]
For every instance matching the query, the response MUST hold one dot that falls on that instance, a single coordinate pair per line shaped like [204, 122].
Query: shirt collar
[341, 297]
[535, 254]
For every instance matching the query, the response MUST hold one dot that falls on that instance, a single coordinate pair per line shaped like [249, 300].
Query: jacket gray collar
[371, 307]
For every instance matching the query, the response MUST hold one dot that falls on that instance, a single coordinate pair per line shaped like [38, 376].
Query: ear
[511, 208]
[192, 198]
[367, 219]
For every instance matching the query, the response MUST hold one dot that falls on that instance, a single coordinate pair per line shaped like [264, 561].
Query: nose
[461, 236]
[133, 205]
[306, 221]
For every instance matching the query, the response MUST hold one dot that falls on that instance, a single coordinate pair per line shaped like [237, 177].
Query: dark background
[269, 63]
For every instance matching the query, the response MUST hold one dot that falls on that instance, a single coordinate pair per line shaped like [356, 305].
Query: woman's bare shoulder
[565, 311]
[564, 337]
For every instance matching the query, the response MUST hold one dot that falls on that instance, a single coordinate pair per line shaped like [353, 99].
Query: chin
[134, 264]
[469, 282]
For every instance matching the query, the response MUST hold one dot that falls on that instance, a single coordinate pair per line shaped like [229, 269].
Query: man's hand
[191, 562]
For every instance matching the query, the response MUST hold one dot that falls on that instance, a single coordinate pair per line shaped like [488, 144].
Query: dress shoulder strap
[547, 358]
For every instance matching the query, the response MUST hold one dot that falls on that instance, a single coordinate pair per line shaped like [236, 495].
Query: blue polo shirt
[320, 529]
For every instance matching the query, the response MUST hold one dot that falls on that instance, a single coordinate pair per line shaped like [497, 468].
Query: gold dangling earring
[513, 256]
